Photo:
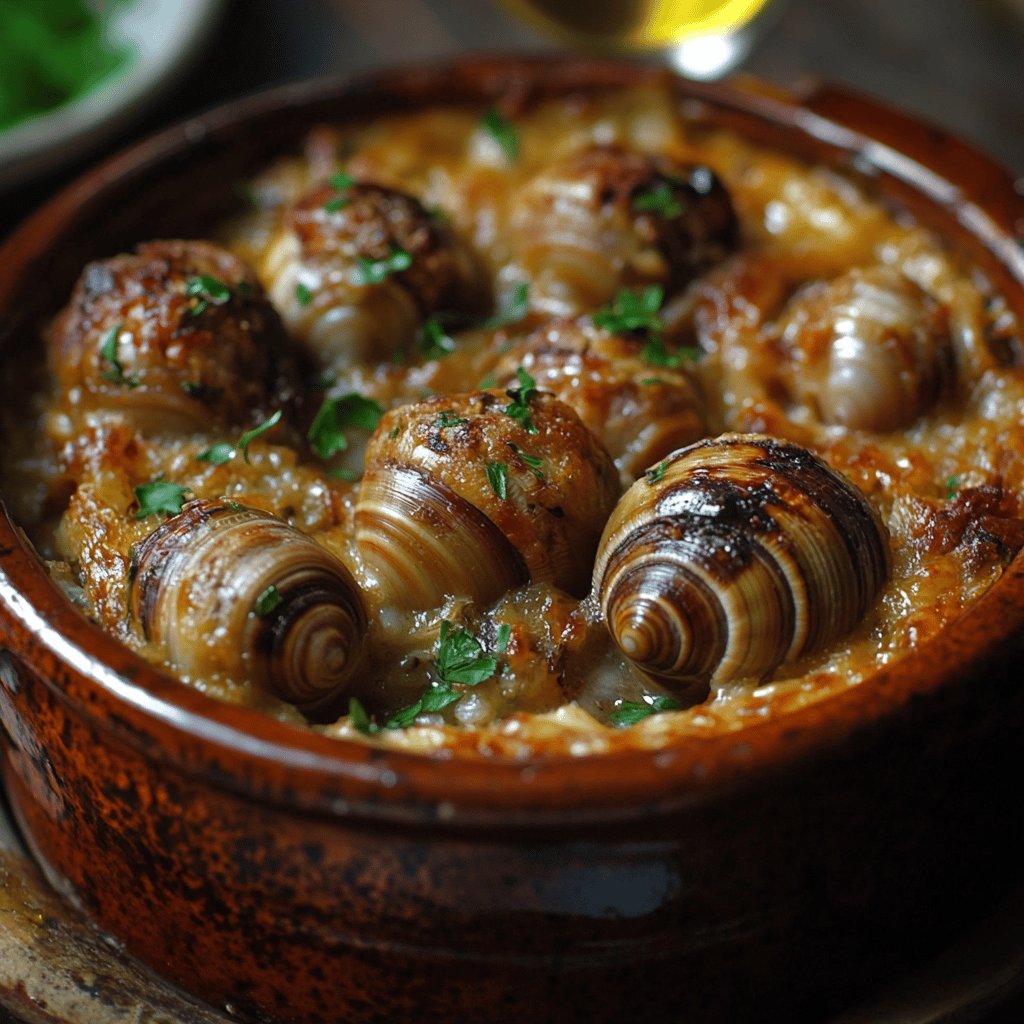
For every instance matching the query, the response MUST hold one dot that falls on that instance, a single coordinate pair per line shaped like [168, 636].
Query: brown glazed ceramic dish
[300, 879]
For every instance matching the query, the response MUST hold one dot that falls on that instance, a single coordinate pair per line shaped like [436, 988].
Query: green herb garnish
[490, 381]
[341, 182]
[629, 712]
[376, 271]
[303, 295]
[360, 720]
[497, 477]
[108, 353]
[519, 407]
[448, 419]
[503, 132]
[661, 199]
[502, 639]
[210, 291]
[250, 435]
[654, 475]
[268, 601]
[160, 496]
[342, 473]
[655, 353]
[434, 341]
[327, 432]
[513, 309]
[218, 454]
[633, 311]
[952, 487]
[533, 462]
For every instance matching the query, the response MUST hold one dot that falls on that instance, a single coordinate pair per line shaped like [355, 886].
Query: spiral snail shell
[460, 498]
[869, 350]
[225, 589]
[316, 266]
[605, 217]
[174, 337]
[736, 555]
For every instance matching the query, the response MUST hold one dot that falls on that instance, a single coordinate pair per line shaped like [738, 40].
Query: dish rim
[256, 755]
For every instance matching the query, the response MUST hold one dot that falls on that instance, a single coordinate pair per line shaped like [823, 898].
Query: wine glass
[701, 39]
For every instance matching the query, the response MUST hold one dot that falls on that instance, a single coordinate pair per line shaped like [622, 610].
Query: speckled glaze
[300, 879]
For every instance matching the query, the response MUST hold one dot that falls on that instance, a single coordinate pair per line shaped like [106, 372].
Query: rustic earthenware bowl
[300, 879]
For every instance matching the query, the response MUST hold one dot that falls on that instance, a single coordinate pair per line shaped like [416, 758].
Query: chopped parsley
[519, 407]
[434, 341]
[514, 308]
[533, 462]
[654, 475]
[630, 712]
[210, 291]
[268, 601]
[448, 419]
[490, 381]
[160, 496]
[633, 311]
[502, 639]
[108, 353]
[359, 718]
[503, 132]
[655, 353]
[250, 435]
[497, 477]
[340, 182]
[661, 199]
[351, 475]
[327, 432]
[376, 271]
[952, 487]
[460, 661]
[303, 295]
[218, 454]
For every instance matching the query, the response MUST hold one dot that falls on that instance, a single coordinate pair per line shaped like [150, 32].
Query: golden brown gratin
[555, 428]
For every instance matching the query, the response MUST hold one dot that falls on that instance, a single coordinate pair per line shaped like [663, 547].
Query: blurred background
[74, 90]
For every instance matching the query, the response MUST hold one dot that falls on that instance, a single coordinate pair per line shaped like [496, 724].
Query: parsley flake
[108, 353]
[303, 295]
[490, 381]
[654, 475]
[250, 435]
[533, 462]
[327, 432]
[661, 199]
[268, 601]
[514, 308]
[359, 718]
[952, 487]
[218, 454]
[630, 712]
[341, 182]
[503, 132]
[210, 291]
[633, 311]
[342, 473]
[377, 271]
[655, 353]
[502, 639]
[160, 496]
[497, 477]
[519, 407]
[434, 341]
[448, 419]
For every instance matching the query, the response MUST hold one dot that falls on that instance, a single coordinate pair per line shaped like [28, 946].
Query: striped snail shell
[604, 218]
[869, 350]
[173, 337]
[316, 265]
[640, 413]
[223, 589]
[736, 555]
[460, 498]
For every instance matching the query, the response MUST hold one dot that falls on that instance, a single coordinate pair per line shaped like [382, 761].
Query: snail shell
[869, 350]
[580, 236]
[639, 412]
[744, 553]
[434, 518]
[196, 594]
[313, 268]
[183, 363]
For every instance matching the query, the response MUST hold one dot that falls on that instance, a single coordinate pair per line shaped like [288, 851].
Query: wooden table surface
[958, 63]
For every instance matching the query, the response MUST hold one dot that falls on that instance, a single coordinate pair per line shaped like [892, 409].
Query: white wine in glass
[700, 38]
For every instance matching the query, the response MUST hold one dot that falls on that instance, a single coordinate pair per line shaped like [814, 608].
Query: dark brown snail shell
[225, 589]
[734, 556]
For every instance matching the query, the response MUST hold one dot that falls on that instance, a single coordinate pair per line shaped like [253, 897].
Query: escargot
[869, 350]
[223, 589]
[604, 218]
[175, 337]
[474, 494]
[734, 556]
[639, 412]
[355, 269]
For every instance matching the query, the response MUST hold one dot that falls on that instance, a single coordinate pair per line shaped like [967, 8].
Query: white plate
[162, 35]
